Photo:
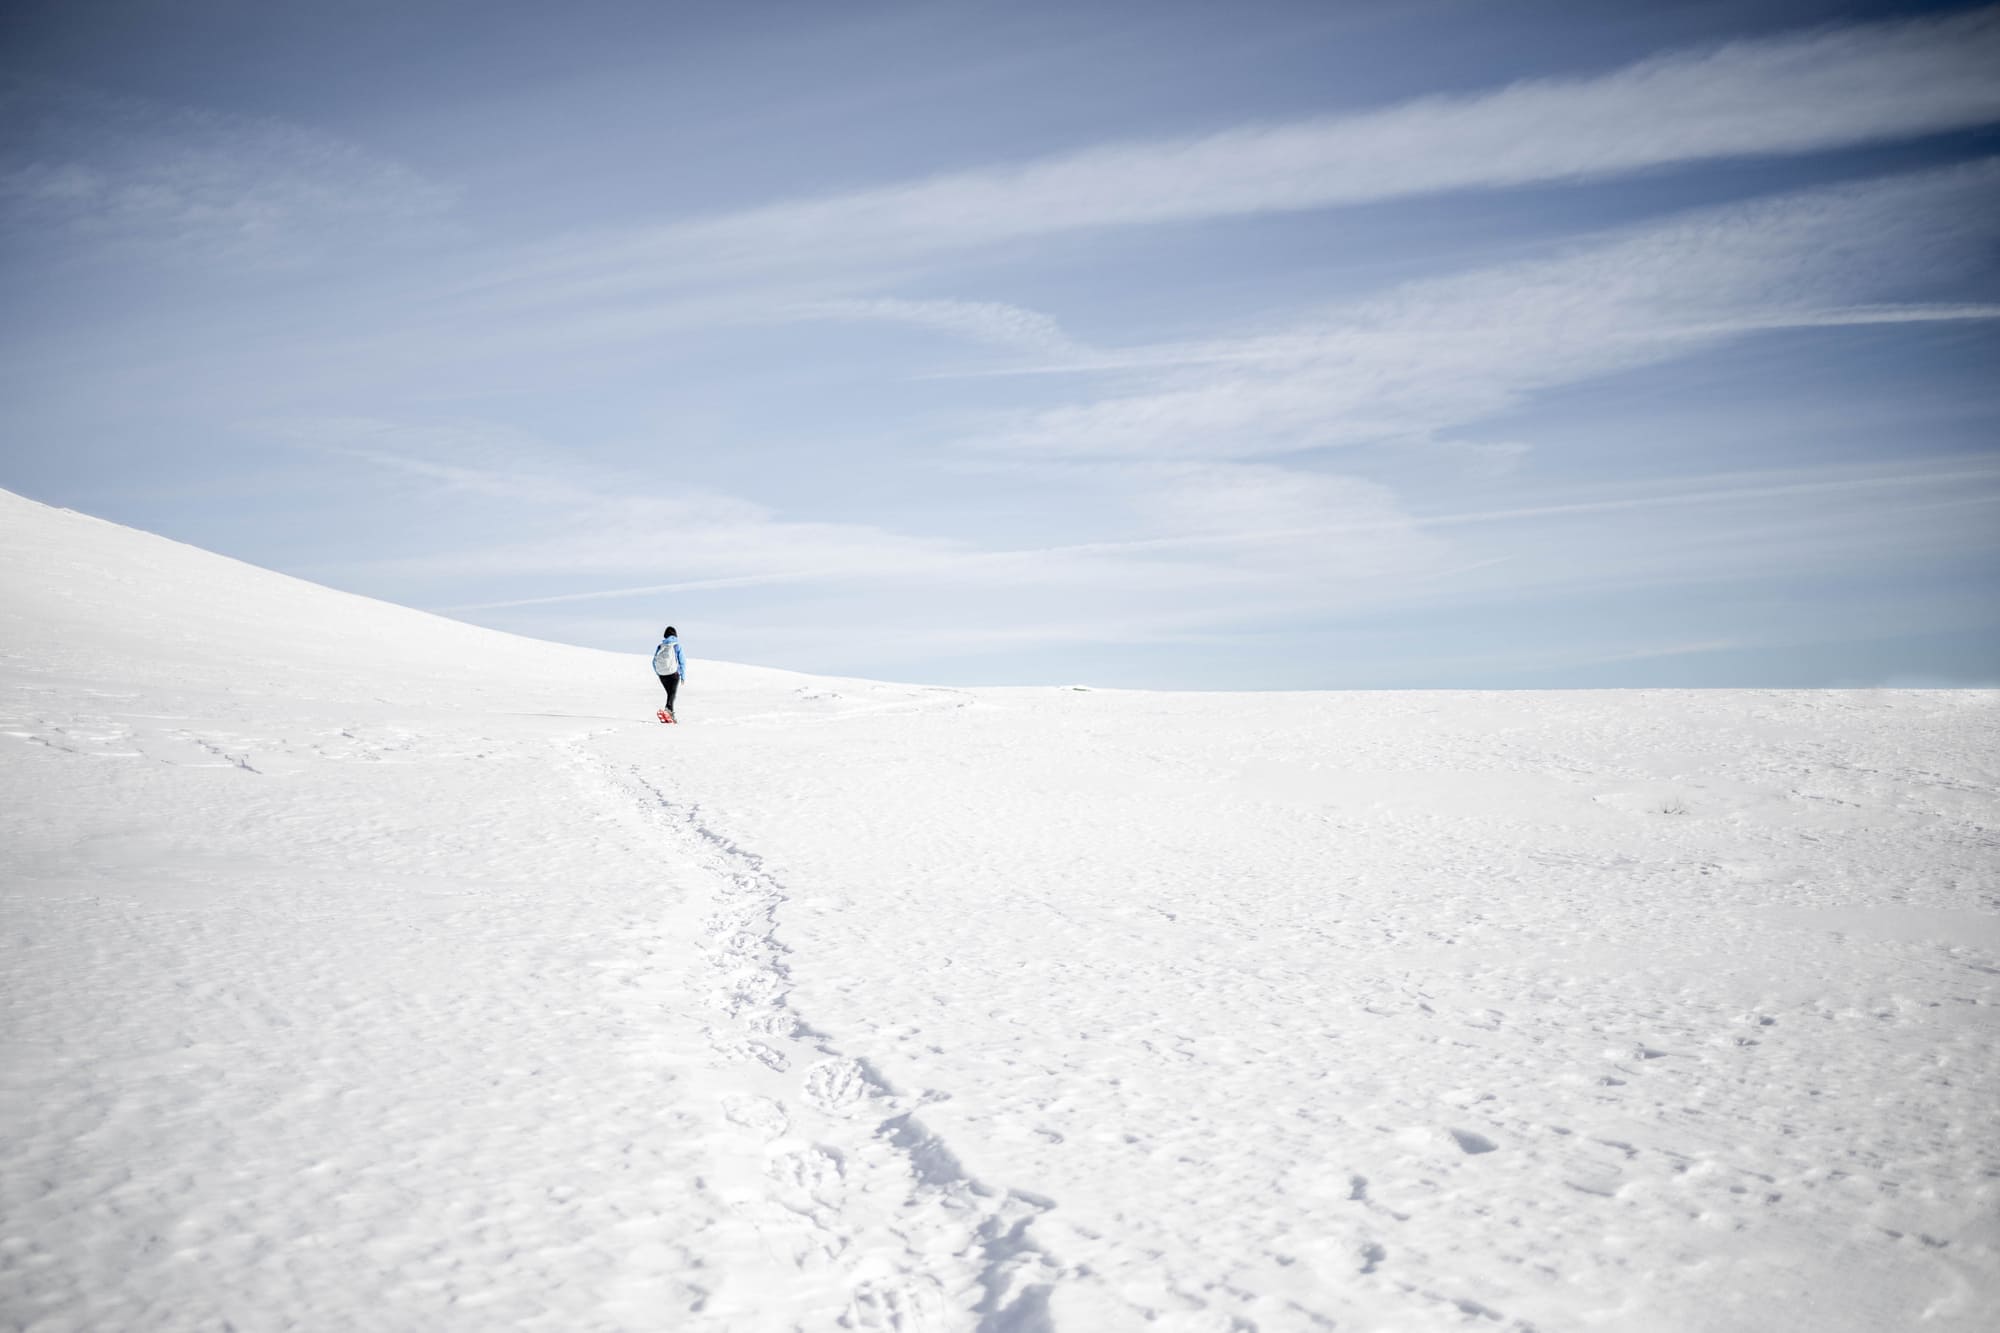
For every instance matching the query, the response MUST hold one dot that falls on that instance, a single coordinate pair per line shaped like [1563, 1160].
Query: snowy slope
[369, 970]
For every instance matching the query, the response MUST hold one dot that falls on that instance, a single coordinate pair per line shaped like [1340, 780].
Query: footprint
[912, 1301]
[776, 1023]
[837, 1086]
[759, 1115]
[747, 988]
[816, 1172]
[739, 1048]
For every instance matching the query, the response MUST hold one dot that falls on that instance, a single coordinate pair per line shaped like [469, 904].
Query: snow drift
[369, 970]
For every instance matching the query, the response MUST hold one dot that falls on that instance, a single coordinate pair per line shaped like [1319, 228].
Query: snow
[369, 970]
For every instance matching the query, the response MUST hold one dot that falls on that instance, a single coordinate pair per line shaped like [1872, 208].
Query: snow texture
[368, 970]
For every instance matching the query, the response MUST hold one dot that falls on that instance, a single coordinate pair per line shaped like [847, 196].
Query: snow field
[365, 970]
[1409, 1010]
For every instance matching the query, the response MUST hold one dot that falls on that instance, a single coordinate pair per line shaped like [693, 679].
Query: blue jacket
[667, 659]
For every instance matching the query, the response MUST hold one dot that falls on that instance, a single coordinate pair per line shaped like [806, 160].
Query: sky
[1434, 343]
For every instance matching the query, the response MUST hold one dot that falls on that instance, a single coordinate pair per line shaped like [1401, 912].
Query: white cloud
[477, 460]
[1218, 541]
[157, 178]
[1877, 520]
[1211, 547]
[1449, 351]
[1787, 94]
[560, 516]
[980, 321]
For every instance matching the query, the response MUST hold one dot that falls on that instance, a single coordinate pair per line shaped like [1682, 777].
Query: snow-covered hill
[369, 970]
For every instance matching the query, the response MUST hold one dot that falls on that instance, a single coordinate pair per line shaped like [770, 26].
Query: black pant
[673, 685]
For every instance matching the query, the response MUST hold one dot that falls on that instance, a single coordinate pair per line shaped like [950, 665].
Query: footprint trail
[831, 1172]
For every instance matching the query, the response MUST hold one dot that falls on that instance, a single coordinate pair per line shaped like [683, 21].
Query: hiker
[669, 665]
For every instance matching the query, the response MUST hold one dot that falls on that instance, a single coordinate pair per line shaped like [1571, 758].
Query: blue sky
[1433, 343]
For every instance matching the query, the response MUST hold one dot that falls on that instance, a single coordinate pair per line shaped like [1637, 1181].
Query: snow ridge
[830, 1166]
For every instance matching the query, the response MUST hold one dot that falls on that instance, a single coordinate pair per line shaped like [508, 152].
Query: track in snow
[831, 1171]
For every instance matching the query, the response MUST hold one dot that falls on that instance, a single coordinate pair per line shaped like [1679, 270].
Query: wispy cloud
[833, 257]
[990, 322]
[1168, 356]
[157, 179]
[1788, 94]
[1297, 539]
[1871, 521]
[1220, 429]
[1449, 351]
[563, 517]
[479, 460]
[1215, 506]
[1210, 545]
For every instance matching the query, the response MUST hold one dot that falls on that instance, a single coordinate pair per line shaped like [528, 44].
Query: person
[669, 665]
